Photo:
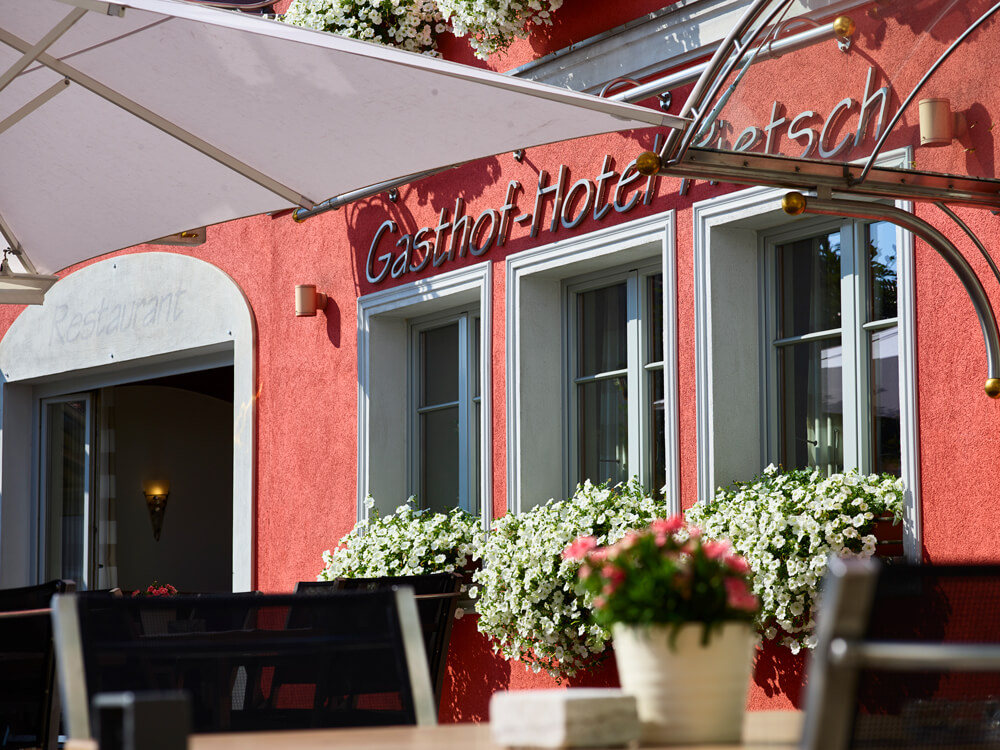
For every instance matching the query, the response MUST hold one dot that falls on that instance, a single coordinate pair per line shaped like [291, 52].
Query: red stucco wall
[306, 418]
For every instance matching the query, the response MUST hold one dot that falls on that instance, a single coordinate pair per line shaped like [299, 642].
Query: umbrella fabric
[172, 115]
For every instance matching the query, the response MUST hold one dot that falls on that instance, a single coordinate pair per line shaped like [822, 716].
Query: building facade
[500, 331]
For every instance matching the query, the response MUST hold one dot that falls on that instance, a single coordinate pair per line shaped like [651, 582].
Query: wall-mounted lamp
[308, 300]
[156, 492]
[939, 126]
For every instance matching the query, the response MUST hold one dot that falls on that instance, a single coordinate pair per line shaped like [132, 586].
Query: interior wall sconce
[939, 126]
[308, 300]
[156, 491]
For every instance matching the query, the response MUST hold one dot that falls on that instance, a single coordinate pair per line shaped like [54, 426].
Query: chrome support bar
[916, 657]
[714, 76]
[796, 203]
[745, 168]
[771, 51]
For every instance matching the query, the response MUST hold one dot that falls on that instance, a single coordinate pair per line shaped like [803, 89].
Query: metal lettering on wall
[457, 234]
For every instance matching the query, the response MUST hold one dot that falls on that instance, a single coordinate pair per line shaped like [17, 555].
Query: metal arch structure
[859, 187]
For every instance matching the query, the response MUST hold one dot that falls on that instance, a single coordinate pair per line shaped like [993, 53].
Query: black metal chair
[249, 662]
[437, 596]
[29, 706]
[906, 656]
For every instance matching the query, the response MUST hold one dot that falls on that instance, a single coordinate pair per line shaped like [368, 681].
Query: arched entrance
[136, 368]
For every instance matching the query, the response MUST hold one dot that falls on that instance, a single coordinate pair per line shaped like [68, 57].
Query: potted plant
[681, 612]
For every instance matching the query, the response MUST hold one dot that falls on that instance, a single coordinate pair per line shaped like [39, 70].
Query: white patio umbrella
[122, 122]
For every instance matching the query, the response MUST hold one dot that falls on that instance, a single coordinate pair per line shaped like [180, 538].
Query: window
[447, 413]
[67, 478]
[616, 430]
[421, 374]
[804, 344]
[834, 365]
[591, 350]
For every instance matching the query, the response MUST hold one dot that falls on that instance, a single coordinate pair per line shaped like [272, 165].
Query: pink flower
[584, 571]
[629, 540]
[613, 574]
[579, 549]
[739, 596]
[737, 563]
[599, 602]
[715, 550]
[668, 525]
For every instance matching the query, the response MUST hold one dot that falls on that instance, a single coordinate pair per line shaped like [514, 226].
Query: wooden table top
[763, 729]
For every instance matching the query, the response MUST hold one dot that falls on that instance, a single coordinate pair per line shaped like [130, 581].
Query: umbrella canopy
[124, 122]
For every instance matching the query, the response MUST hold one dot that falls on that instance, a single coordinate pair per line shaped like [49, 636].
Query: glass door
[67, 481]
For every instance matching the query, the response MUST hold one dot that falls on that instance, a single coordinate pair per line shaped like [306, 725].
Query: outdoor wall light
[308, 300]
[156, 491]
[939, 126]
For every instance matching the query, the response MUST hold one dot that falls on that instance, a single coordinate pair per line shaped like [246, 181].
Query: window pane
[655, 318]
[439, 459]
[603, 430]
[809, 285]
[811, 399]
[66, 489]
[602, 316]
[439, 365]
[881, 270]
[885, 401]
[657, 432]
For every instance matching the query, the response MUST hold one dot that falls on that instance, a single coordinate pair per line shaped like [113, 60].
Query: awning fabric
[131, 127]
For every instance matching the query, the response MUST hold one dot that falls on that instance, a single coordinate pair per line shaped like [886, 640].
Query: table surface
[762, 729]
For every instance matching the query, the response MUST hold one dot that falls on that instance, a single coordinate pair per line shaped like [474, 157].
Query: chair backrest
[29, 706]
[437, 596]
[906, 656]
[249, 662]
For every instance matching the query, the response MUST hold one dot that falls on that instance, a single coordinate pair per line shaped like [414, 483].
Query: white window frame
[44, 509]
[639, 427]
[730, 365]
[536, 382]
[467, 320]
[384, 375]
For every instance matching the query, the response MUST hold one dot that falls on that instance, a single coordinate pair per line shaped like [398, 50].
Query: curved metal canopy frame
[855, 183]
[796, 203]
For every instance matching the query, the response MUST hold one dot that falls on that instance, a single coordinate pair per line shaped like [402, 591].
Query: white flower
[786, 525]
[529, 605]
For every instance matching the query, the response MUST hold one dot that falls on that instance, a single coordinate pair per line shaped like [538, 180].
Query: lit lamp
[156, 492]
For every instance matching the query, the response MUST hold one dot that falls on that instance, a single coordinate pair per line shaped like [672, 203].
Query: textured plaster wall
[306, 368]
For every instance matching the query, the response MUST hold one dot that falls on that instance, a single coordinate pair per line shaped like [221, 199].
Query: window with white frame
[592, 363]
[446, 413]
[833, 365]
[615, 372]
[804, 344]
[421, 374]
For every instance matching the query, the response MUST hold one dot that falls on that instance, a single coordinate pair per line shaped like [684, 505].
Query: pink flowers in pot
[156, 589]
[665, 574]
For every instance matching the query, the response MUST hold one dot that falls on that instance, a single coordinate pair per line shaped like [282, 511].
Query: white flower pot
[690, 694]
